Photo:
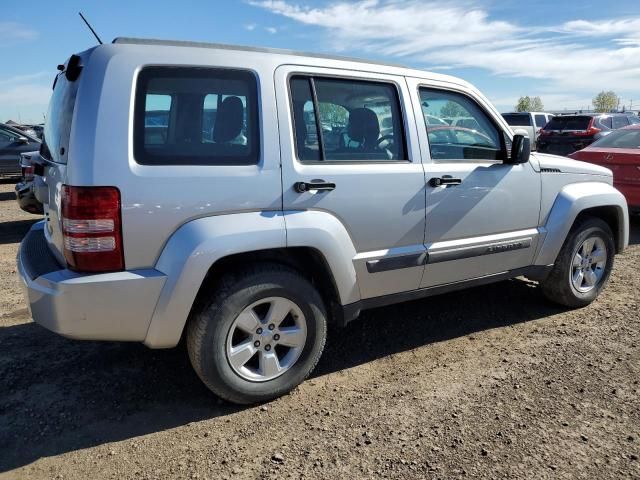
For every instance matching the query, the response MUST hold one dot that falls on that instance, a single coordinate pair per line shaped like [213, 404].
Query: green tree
[333, 114]
[452, 110]
[606, 102]
[529, 104]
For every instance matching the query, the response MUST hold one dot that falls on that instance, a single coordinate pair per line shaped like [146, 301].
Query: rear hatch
[54, 151]
[566, 134]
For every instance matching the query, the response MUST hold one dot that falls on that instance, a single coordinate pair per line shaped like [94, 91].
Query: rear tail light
[544, 132]
[27, 172]
[591, 130]
[92, 229]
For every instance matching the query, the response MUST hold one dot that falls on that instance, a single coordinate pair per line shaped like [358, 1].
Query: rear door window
[340, 120]
[196, 116]
[620, 121]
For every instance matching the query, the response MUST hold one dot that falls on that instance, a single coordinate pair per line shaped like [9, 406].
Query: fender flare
[198, 244]
[570, 202]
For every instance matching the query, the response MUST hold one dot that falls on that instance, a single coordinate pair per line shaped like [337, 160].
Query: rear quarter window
[196, 116]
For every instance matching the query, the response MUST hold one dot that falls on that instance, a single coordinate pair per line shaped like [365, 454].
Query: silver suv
[244, 198]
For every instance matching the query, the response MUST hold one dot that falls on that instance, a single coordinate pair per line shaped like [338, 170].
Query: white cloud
[271, 30]
[565, 58]
[16, 31]
[603, 27]
[251, 27]
[25, 97]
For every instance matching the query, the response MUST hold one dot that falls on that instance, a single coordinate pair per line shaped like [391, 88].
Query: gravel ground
[493, 382]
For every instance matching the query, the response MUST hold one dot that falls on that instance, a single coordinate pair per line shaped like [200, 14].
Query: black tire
[210, 324]
[558, 286]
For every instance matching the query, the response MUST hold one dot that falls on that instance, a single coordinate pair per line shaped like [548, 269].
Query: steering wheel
[385, 138]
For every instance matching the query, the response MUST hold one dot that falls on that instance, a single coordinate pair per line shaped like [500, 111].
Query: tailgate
[51, 173]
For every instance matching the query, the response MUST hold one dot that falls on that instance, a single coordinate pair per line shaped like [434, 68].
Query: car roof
[287, 54]
[592, 114]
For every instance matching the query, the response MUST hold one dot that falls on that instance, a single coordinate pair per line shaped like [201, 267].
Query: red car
[620, 152]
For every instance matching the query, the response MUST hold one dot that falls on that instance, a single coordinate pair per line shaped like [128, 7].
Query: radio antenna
[90, 28]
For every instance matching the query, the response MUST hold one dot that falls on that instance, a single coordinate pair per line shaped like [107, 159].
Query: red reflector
[92, 228]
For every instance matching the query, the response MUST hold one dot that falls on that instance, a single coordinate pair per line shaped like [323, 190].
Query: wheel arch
[577, 201]
[317, 245]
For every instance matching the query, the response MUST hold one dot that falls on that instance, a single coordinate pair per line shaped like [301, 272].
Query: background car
[565, 134]
[13, 142]
[531, 122]
[620, 152]
[25, 195]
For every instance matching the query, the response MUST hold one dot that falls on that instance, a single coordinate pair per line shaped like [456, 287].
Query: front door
[350, 149]
[482, 212]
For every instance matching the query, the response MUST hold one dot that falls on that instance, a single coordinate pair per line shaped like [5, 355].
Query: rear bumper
[107, 306]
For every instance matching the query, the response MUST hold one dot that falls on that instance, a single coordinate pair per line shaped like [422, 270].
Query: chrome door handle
[446, 180]
[302, 187]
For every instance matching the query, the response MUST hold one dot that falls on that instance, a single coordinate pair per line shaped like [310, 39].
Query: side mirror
[520, 149]
[22, 140]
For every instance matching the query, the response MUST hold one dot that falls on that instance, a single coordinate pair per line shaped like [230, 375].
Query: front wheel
[260, 334]
[583, 266]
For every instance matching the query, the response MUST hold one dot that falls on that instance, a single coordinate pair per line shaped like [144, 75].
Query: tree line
[605, 101]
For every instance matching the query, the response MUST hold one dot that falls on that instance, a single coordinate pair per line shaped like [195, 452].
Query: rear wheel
[260, 334]
[583, 266]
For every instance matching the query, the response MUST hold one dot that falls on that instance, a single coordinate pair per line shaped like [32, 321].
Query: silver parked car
[245, 197]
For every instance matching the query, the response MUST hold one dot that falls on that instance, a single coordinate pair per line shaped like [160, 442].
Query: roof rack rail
[223, 46]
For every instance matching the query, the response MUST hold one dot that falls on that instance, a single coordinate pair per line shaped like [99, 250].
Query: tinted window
[480, 139]
[57, 128]
[619, 121]
[8, 136]
[541, 121]
[605, 121]
[634, 120]
[196, 116]
[620, 139]
[517, 120]
[348, 120]
[568, 122]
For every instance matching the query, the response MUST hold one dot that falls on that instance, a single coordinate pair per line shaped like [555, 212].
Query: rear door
[349, 139]
[482, 213]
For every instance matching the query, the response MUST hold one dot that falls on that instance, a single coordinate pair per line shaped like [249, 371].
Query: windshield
[568, 123]
[57, 128]
[518, 120]
[620, 139]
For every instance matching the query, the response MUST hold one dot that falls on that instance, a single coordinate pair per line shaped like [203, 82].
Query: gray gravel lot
[492, 382]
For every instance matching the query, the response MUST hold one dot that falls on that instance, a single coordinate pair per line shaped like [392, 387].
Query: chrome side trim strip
[478, 250]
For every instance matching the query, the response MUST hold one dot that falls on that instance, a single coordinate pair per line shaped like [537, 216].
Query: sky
[564, 51]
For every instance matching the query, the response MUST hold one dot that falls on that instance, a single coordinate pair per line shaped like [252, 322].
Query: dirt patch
[492, 382]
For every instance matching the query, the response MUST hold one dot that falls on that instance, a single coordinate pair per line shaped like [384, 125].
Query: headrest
[228, 120]
[363, 126]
